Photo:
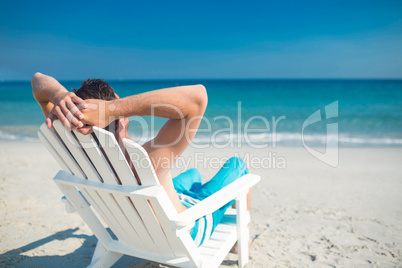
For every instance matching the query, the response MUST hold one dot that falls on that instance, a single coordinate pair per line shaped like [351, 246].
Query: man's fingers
[74, 122]
[48, 123]
[77, 100]
[59, 113]
[81, 106]
[74, 110]
[68, 111]
[49, 120]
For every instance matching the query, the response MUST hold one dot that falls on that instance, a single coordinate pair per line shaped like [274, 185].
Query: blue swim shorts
[191, 191]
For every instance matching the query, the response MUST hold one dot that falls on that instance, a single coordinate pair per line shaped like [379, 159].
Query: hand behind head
[97, 113]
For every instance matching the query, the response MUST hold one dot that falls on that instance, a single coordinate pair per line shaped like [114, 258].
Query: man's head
[95, 89]
[100, 89]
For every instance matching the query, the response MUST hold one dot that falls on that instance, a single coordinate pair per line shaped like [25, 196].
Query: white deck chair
[90, 180]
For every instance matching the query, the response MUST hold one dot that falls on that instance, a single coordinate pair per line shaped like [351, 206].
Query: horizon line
[211, 79]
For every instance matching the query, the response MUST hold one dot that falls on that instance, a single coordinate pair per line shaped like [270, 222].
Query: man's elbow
[201, 97]
[37, 76]
[35, 79]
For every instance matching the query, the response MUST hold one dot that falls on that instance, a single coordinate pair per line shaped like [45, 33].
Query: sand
[304, 213]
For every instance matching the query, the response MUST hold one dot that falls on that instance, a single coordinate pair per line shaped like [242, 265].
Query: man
[183, 106]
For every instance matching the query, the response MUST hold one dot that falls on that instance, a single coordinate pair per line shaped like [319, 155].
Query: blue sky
[201, 39]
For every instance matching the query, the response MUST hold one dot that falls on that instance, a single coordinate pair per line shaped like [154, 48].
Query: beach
[309, 94]
[305, 213]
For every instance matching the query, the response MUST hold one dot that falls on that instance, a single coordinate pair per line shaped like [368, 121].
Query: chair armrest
[216, 200]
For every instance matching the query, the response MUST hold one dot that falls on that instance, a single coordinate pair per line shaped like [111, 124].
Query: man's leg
[233, 169]
[187, 181]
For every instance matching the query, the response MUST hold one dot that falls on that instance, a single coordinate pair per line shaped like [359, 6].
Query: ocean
[367, 113]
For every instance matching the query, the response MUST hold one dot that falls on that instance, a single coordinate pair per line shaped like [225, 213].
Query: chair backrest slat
[153, 226]
[62, 150]
[142, 164]
[164, 213]
[144, 237]
[76, 150]
[97, 158]
[54, 152]
[98, 201]
[115, 156]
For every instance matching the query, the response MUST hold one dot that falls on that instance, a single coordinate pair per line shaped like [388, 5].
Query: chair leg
[104, 258]
[242, 229]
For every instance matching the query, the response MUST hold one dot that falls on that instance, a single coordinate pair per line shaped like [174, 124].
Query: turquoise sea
[239, 111]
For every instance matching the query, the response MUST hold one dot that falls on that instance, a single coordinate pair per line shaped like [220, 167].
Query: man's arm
[183, 106]
[56, 101]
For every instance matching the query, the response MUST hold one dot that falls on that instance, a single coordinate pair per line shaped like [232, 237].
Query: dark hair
[95, 89]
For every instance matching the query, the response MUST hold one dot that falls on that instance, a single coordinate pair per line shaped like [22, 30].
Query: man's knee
[195, 174]
[236, 163]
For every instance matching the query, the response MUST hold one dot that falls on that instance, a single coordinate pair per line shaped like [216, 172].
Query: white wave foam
[296, 139]
[284, 138]
[9, 136]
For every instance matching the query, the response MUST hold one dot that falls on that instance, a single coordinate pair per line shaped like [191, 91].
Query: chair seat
[212, 251]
